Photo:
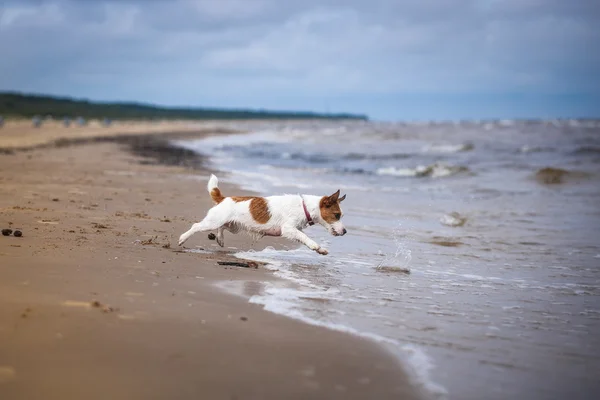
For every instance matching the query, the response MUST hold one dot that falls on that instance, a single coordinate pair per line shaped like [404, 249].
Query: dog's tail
[213, 189]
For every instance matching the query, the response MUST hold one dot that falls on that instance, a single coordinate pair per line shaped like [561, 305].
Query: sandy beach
[96, 300]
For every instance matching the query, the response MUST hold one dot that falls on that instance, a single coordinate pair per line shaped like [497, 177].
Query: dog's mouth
[336, 233]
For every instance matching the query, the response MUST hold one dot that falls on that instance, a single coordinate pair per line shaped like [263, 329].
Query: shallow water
[505, 306]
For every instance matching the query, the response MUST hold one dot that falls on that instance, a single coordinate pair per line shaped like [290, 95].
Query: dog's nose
[344, 232]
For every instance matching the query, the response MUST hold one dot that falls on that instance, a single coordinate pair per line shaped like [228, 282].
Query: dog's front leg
[297, 235]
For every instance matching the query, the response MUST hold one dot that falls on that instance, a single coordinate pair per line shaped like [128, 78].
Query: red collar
[308, 217]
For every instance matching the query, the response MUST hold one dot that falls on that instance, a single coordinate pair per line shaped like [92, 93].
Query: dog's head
[331, 214]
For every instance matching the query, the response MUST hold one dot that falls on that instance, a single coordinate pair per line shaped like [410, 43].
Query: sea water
[484, 278]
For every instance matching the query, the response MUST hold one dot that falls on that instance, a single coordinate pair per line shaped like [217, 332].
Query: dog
[285, 216]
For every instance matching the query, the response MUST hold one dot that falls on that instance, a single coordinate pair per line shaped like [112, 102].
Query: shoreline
[162, 328]
[18, 136]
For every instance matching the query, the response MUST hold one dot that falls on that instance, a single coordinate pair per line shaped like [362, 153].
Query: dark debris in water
[386, 268]
[554, 176]
[446, 242]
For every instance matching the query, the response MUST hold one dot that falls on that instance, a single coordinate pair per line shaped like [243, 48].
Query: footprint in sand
[7, 374]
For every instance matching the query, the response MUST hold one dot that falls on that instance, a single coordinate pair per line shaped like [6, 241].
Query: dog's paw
[322, 251]
[221, 241]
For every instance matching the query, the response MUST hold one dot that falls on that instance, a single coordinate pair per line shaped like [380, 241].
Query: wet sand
[21, 134]
[97, 302]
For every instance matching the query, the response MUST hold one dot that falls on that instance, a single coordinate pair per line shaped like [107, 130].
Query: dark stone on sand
[6, 232]
[244, 318]
[18, 233]
[212, 236]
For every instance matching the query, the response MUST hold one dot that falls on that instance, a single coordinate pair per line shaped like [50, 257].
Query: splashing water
[400, 258]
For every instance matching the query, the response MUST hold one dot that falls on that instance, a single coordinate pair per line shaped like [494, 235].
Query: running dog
[285, 216]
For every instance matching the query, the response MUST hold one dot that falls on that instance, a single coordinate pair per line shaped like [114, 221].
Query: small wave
[278, 154]
[588, 150]
[449, 148]
[534, 149]
[366, 156]
[397, 171]
[436, 170]
[313, 157]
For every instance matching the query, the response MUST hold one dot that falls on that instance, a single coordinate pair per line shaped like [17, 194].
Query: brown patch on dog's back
[328, 209]
[239, 199]
[259, 209]
[216, 195]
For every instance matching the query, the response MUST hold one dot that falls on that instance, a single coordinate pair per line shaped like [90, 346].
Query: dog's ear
[334, 197]
[342, 198]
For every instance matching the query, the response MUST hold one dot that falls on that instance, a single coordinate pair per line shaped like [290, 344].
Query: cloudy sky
[391, 59]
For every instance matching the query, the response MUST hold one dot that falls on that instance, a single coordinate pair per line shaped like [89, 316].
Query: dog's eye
[337, 215]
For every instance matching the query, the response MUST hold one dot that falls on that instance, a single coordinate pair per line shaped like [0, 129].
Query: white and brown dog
[283, 216]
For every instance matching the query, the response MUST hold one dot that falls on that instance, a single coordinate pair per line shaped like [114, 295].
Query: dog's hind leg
[220, 237]
[231, 227]
[215, 219]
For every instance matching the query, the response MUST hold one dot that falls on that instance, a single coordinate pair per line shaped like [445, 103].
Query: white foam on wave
[534, 149]
[287, 301]
[209, 144]
[393, 171]
[437, 170]
[448, 148]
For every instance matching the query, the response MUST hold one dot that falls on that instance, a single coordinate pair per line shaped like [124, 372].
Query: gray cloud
[232, 51]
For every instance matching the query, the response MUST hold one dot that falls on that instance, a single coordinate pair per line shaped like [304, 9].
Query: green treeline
[14, 104]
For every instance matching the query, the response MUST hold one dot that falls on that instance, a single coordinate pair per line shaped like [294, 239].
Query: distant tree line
[14, 104]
